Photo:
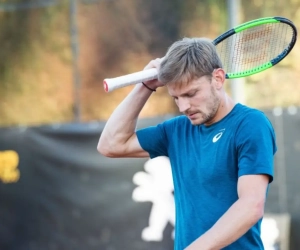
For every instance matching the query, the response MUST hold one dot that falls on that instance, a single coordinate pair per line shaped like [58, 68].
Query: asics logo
[218, 136]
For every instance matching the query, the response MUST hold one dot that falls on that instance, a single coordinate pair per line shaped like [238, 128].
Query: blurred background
[56, 191]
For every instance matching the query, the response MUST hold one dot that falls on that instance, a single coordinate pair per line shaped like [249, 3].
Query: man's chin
[196, 121]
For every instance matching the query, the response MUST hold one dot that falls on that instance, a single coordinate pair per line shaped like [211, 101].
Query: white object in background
[269, 233]
[156, 185]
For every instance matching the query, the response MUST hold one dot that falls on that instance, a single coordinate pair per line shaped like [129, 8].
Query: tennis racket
[245, 50]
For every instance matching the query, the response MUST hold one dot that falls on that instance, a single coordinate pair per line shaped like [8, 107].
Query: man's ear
[219, 77]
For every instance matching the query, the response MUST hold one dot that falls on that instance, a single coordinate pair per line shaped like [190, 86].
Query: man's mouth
[192, 115]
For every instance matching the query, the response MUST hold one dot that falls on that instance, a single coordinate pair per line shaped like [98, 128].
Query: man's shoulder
[249, 113]
[253, 120]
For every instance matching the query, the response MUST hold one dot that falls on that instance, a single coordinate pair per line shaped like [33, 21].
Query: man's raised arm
[118, 138]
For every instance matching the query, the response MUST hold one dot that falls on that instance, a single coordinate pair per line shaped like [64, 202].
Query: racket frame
[252, 24]
[146, 75]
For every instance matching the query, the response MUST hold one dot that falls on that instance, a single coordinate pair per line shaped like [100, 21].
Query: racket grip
[111, 84]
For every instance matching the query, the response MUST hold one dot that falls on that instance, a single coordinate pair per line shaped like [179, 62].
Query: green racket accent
[255, 46]
[249, 72]
[255, 23]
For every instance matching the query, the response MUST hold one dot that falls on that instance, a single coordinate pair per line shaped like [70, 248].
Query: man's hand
[154, 84]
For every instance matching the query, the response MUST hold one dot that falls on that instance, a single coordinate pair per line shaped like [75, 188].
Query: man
[221, 152]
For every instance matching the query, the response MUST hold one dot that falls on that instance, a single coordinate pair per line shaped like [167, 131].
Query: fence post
[75, 56]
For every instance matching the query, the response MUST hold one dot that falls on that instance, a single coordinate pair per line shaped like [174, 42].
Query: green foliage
[117, 37]
[15, 41]
[21, 33]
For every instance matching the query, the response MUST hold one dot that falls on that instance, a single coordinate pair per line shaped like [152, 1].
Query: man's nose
[183, 105]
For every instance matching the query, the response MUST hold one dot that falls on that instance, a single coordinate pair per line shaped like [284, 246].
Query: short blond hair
[188, 59]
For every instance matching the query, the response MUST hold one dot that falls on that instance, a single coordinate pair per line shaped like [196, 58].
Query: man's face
[198, 99]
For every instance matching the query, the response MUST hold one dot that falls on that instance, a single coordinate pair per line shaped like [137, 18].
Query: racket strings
[253, 47]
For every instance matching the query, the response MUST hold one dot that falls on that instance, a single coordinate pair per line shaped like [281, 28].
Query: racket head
[255, 46]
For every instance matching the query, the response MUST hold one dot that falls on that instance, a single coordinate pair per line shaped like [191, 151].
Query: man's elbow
[105, 150]
[102, 151]
[254, 209]
[257, 210]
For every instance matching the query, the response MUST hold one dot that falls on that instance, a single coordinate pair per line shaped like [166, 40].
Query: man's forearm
[240, 217]
[122, 123]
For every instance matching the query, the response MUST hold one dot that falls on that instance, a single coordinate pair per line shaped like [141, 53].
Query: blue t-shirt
[206, 164]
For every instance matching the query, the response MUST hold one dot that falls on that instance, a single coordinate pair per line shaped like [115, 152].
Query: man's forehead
[187, 86]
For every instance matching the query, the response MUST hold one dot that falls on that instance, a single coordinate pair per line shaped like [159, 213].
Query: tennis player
[221, 152]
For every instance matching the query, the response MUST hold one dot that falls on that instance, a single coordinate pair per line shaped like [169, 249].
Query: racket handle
[110, 84]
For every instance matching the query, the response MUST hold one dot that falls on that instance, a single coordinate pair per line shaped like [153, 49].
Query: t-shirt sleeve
[256, 146]
[154, 140]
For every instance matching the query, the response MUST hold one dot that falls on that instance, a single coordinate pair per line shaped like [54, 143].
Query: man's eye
[191, 94]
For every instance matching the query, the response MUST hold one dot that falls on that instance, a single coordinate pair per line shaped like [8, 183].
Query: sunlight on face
[198, 99]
